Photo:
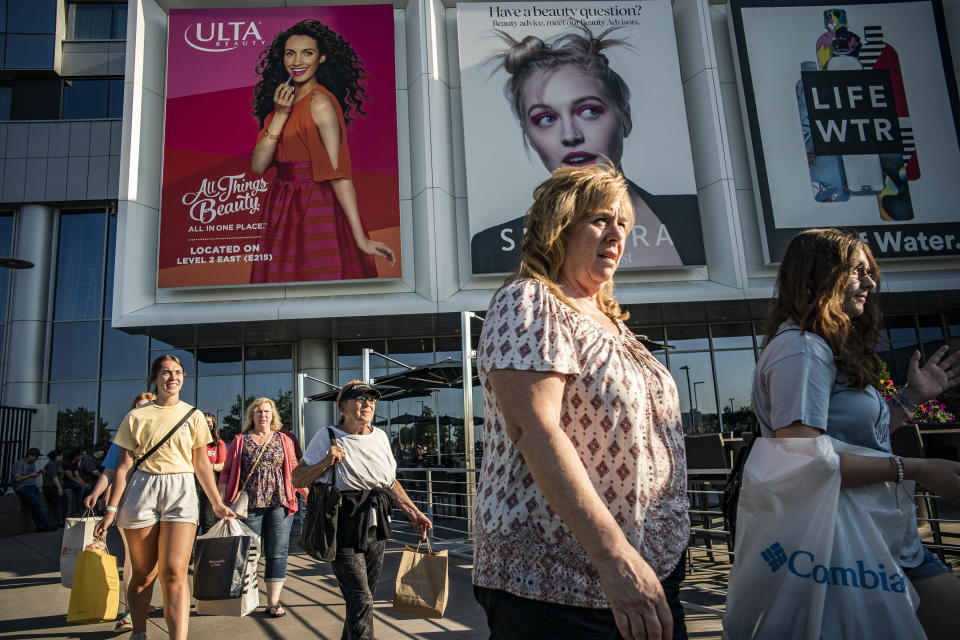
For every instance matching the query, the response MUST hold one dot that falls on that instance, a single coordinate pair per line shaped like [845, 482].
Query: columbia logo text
[803, 564]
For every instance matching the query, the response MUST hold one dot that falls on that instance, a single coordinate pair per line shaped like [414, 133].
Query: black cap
[357, 389]
[33, 451]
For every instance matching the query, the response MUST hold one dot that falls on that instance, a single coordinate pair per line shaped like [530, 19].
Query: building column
[315, 359]
[28, 315]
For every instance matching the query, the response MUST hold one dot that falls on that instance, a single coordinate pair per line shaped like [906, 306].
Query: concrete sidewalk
[33, 605]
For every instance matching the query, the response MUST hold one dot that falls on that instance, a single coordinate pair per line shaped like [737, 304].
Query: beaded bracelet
[898, 461]
[900, 399]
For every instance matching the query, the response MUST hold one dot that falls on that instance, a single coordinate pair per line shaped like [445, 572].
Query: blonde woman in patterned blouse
[581, 519]
[266, 456]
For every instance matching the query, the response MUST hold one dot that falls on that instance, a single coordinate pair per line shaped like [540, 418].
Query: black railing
[14, 438]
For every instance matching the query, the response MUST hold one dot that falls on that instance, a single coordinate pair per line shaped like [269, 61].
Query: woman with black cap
[365, 471]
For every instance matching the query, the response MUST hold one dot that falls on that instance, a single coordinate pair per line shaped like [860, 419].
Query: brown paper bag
[422, 585]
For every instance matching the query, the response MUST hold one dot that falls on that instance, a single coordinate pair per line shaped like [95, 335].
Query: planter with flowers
[933, 411]
[935, 414]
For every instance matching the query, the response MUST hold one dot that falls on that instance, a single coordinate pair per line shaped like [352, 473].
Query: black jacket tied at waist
[354, 517]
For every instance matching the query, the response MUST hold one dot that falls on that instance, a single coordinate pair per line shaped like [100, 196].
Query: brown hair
[157, 364]
[816, 269]
[570, 195]
[146, 395]
[275, 424]
[215, 430]
[531, 55]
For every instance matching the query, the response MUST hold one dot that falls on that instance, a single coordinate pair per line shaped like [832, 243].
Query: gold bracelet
[273, 137]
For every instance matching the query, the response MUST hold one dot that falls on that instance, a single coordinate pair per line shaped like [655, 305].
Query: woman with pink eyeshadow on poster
[574, 110]
[309, 90]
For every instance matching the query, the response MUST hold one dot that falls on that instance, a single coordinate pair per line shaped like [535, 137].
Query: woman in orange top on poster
[309, 90]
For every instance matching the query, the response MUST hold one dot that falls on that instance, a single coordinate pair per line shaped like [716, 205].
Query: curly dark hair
[341, 73]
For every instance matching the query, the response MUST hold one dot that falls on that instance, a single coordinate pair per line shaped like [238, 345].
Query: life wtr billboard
[853, 116]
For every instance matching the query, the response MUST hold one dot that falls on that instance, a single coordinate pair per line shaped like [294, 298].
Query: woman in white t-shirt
[817, 375]
[366, 477]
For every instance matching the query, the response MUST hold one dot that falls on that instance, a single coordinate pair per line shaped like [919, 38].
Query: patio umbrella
[403, 418]
[446, 374]
[448, 421]
[388, 392]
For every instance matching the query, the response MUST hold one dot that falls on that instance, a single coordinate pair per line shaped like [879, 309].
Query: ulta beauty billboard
[555, 84]
[280, 147]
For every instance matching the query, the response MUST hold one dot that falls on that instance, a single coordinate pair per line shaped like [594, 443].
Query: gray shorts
[149, 499]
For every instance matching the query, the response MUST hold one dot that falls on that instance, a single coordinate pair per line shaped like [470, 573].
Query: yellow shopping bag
[95, 594]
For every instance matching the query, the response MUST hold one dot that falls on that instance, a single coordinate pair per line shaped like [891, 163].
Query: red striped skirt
[306, 232]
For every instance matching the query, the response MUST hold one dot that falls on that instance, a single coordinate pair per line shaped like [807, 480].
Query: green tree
[232, 423]
[75, 429]
[739, 420]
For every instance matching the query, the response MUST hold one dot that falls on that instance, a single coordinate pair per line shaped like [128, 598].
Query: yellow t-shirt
[143, 428]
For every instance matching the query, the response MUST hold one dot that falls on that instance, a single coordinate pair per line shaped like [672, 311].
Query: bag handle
[429, 546]
[263, 448]
[165, 438]
[333, 443]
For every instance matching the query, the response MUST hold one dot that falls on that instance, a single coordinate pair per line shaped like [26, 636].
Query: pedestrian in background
[25, 478]
[57, 501]
[217, 453]
[73, 482]
[259, 462]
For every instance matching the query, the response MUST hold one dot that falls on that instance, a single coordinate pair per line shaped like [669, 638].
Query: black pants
[207, 517]
[510, 616]
[358, 573]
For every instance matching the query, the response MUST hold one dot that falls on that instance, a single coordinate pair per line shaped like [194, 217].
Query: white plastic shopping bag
[788, 503]
[867, 593]
[77, 534]
[249, 598]
[814, 560]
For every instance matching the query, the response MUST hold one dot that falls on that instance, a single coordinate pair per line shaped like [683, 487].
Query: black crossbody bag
[731, 492]
[318, 536]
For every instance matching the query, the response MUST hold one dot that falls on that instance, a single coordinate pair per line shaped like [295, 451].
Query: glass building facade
[91, 370]
[95, 370]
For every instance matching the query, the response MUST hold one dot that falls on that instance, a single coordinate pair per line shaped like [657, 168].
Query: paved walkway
[33, 605]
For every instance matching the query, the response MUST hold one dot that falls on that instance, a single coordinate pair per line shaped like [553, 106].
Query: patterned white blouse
[620, 410]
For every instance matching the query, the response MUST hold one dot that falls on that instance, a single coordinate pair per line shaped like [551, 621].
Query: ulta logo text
[217, 37]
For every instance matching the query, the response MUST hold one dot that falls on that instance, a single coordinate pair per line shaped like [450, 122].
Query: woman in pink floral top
[260, 462]
[581, 515]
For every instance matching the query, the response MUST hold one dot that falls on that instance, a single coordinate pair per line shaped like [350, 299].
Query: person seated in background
[25, 476]
[57, 500]
[73, 482]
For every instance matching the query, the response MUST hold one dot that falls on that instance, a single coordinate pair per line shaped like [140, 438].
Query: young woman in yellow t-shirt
[159, 511]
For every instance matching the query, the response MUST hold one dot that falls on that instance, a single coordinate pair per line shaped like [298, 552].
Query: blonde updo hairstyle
[531, 55]
[570, 195]
[275, 423]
